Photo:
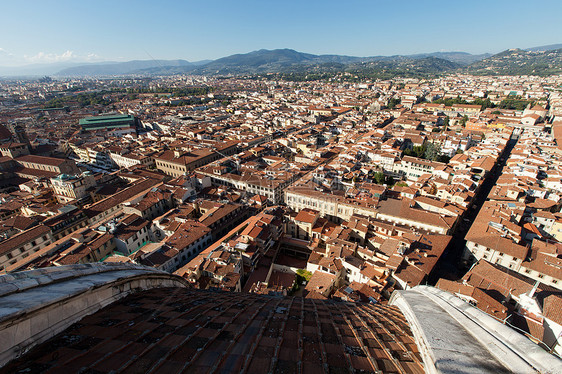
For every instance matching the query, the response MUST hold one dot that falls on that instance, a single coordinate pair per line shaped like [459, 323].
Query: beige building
[83, 246]
[72, 187]
[22, 245]
[131, 159]
[557, 230]
[49, 164]
[178, 163]
[301, 226]
[391, 210]
[413, 167]
[329, 205]
[14, 149]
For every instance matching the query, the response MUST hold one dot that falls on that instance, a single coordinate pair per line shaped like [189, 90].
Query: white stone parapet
[36, 305]
[456, 337]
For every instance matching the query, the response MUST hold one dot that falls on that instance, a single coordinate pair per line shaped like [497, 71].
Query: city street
[449, 266]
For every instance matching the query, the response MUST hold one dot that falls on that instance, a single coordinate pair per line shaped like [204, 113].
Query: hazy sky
[83, 30]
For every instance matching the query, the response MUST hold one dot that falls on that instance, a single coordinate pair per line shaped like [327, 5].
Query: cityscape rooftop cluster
[320, 189]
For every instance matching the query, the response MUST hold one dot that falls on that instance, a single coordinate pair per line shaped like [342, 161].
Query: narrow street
[449, 265]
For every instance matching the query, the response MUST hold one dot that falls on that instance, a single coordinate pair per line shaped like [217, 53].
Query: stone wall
[38, 304]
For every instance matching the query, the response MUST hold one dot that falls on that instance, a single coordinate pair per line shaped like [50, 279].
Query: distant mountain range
[533, 61]
[462, 58]
[120, 68]
[106, 68]
[543, 48]
[36, 69]
[290, 61]
[299, 65]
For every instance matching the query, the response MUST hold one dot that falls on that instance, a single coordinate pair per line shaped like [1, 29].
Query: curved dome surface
[122, 318]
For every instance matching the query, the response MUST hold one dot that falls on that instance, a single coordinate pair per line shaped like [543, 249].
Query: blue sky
[84, 30]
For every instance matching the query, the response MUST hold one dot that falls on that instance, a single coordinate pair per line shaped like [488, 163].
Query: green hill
[519, 62]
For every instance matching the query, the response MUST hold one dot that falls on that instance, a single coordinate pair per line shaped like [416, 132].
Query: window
[541, 276]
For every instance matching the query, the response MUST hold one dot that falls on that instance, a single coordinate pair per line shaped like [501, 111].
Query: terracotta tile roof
[544, 263]
[186, 234]
[534, 328]
[402, 209]
[488, 276]
[321, 282]
[411, 275]
[489, 304]
[455, 287]
[212, 216]
[129, 226]
[121, 196]
[179, 330]
[307, 216]
[18, 222]
[482, 233]
[23, 238]
[41, 160]
[551, 303]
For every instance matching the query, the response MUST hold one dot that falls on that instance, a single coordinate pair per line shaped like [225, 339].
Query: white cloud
[43, 57]
[3, 52]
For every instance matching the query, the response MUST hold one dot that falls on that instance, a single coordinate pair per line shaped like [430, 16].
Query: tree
[393, 102]
[378, 177]
[444, 159]
[516, 104]
[451, 101]
[419, 150]
[486, 103]
[432, 151]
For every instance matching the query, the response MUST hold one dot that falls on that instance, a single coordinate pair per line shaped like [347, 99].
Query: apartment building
[413, 167]
[72, 187]
[48, 164]
[20, 246]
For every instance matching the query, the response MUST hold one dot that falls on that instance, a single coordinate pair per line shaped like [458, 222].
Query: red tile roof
[173, 330]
